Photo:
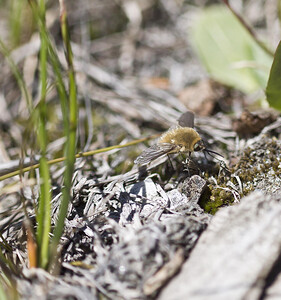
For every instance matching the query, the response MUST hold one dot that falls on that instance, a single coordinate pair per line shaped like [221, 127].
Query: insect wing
[186, 119]
[153, 152]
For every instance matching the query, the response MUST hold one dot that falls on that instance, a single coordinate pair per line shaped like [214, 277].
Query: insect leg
[191, 165]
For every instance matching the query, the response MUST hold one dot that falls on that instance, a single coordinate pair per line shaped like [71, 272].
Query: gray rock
[235, 257]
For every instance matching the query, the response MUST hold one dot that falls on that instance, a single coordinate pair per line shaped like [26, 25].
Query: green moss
[257, 165]
[214, 198]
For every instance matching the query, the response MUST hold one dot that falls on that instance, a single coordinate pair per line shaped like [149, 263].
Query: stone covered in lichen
[258, 168]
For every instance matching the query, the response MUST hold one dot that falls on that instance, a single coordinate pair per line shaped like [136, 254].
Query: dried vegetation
[128, 229]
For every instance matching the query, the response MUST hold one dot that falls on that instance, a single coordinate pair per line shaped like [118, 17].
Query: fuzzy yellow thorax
[183, 137]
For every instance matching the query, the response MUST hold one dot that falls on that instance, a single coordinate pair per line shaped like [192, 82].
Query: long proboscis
[222, 163]
[208, 151]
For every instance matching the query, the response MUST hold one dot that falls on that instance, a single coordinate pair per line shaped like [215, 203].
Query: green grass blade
[273, 89]
[3, 295]
[70, 146]
[55, 63]
[8, 290]
[44, 206]
[15, 20]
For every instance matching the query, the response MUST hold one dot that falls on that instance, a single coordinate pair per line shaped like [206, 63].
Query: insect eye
[198, 146]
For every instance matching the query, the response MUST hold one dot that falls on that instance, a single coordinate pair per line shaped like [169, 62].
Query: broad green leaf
[228, 51]
[273, 89]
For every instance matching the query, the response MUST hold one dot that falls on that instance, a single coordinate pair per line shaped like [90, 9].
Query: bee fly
[180, 139]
